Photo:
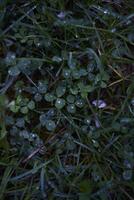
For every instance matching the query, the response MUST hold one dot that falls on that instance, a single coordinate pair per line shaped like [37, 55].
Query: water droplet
[76, 36]
[38, 44]
[106, 12]
[95, 143]
[66, 73]
[113, 30]
[87, 120]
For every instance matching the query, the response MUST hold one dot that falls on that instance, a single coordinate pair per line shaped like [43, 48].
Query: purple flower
[99, 103]
[61, 15]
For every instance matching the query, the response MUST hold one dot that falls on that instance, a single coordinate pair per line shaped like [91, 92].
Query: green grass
[67, 100]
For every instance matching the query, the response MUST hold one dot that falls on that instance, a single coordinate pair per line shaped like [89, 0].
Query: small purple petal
[61, 15]
[99, 103]
[97, 123]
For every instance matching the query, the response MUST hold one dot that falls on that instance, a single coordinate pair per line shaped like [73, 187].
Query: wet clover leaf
[43, 119]
[60, 91]
[13, 71]
[42, 87]
[37, 97]
[80, 103]
[10, 58]
[20, 122]
[84, 89]
[49, 97]
[14, 107]
[71, 108]
[24, 110]
[50, 125]
[60, 103]
[74, 90]
[24, 66]
[66, 73]
[70, 98]
[83, 72]
[31, 105]
[76, 74]
[127, 174]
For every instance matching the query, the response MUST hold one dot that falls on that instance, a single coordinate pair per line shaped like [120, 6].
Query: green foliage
[66, 99]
